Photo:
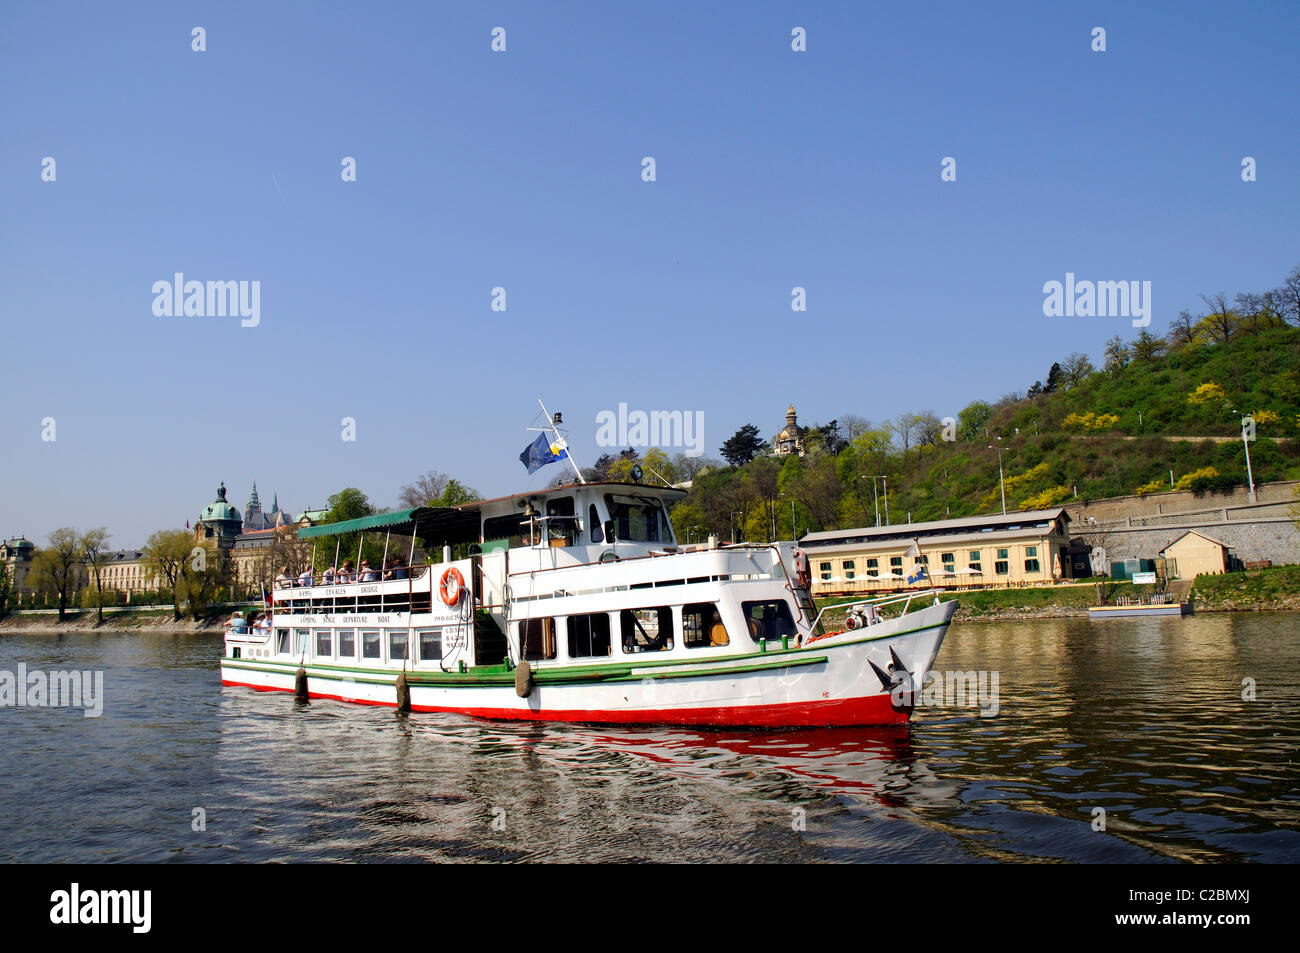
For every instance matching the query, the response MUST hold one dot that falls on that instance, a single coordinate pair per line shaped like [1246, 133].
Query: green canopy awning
[446, 524]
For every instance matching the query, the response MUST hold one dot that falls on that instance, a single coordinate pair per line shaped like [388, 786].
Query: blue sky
[522, 169]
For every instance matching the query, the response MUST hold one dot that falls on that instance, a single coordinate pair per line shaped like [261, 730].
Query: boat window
[537, 639]
[504, 527]
[397, 644]
[347, 643]
[324, 643]
[702, 626]
[593, 521]
[301, 638]
[638, 519]
[562, 526]
[284, 644]
[647, 630]
[430, 645]
[370, 645]
[589, 635]
[769, 620]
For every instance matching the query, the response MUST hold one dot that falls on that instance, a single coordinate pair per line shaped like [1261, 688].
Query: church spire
[253, 500]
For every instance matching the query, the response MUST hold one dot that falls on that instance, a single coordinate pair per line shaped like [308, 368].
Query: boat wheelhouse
[578, 603]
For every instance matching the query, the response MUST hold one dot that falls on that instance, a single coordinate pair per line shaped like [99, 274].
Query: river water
[1143, 719]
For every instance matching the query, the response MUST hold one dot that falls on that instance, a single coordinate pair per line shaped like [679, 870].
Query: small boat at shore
[1138, 607]
[577, 604]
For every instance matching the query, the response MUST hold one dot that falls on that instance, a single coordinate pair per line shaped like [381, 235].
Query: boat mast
[550, 422]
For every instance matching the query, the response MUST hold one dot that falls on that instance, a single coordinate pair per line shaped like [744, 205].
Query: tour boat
[577, 603]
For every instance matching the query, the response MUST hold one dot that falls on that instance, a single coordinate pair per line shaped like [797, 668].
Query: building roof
[1193, 532]
[444, 522]
[955, 540]
[969, 525]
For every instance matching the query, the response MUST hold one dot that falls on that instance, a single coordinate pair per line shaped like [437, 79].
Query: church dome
[791, 430]
[220, 510]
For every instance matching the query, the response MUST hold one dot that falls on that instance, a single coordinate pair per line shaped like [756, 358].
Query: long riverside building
[998, 550]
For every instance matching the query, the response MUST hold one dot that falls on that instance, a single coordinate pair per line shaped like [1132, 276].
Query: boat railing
[1152, 599]
[293, 597]
[875, 604]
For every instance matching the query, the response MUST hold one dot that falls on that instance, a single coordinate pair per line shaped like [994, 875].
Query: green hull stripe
[455, 680]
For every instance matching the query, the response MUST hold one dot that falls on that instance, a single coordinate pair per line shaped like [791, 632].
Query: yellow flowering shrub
[1049, 497]
[1090, 421]
[1185, 481]
[1207, 392]
[1155, 486]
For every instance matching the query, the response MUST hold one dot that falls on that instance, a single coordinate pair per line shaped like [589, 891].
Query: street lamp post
[1001, 481]
[875, 496]
[1250, 478]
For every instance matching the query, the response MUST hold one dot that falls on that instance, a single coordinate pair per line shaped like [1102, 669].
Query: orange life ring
[451, 593]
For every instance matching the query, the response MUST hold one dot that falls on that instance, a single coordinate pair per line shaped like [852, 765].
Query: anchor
[893, 677]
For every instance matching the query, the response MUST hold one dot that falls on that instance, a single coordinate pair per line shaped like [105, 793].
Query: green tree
[348, 504]
[743, 446]
[973, 419]
[1148, 346]
[165, 553]
[54, 569]
[1054, 379]
[6, 588]
[457, 494]
[94, 551]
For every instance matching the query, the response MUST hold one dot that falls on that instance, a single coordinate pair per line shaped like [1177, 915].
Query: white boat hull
[830, 681]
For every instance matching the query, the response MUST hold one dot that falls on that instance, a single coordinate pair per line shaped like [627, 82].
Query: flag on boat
[543, 451]
[918, 569]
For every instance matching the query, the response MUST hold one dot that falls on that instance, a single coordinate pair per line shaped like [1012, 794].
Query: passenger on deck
[284, 580]
[368, 574]
[328, 578]
[347, 573]
[399, 568]
[304, 579]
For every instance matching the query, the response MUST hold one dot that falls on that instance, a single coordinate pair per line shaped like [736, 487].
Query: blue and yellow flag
[541, 452]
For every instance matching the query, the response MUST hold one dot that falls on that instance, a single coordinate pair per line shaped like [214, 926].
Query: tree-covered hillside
[1082, 430]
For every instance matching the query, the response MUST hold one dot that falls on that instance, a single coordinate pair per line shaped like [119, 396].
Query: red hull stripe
[874, 710]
